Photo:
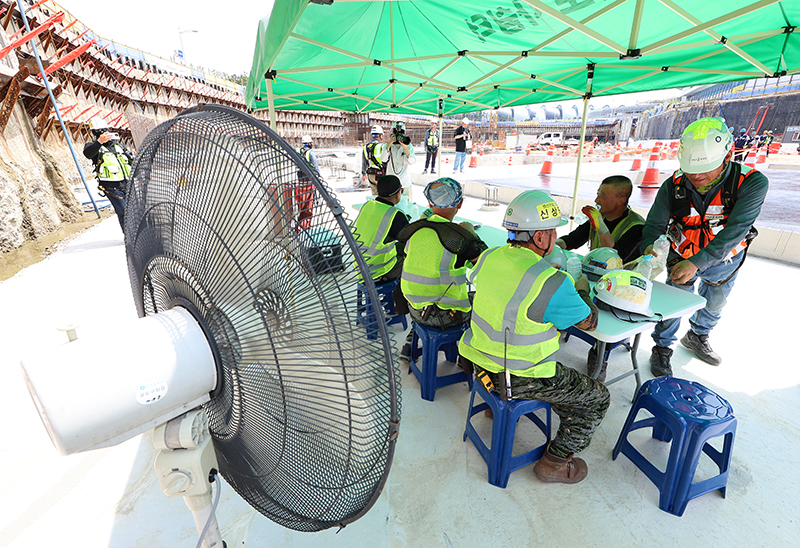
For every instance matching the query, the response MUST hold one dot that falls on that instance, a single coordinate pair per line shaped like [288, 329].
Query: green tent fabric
[405, 55]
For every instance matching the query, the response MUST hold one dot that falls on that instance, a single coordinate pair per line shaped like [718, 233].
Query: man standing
[520, 304]
[398, 155]
[707, 209]
[377, 226]
[112, 165]
[431, 146]
[615, 224]
[307, 154]
[462, 135]
[372, 166]
[434, 279]
[741, 144]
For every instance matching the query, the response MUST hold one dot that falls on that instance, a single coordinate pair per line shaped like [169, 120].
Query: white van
[551, 138]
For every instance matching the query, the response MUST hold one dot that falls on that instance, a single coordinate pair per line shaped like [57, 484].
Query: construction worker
[461, 136]
[707, 209]
[377, 226]
[765, 140]
[741, 144]
[307, 154]
[438, 251]
[520, 304]
[398, 155]
[372, 166]
[112, 166]
[431, 146]
[614, 224]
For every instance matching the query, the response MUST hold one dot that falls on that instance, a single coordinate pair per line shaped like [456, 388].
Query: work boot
[591, 359]
[424, 171]
[405, 352]
[659, 361]
[699, 345]
[553, 469]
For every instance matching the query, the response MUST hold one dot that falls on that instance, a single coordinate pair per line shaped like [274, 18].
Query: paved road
[781, 209]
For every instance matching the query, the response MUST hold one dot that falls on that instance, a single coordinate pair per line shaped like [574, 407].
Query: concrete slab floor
[437, 494]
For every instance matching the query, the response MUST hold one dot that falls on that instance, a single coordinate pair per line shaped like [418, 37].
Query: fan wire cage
[225, 219]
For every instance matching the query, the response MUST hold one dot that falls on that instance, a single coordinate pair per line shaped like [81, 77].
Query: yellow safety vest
[113, 165]
[508, 280]
[429, 272]
[632, 219]
[371, 227]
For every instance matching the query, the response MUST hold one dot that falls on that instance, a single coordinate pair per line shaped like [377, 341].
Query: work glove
[595, 219]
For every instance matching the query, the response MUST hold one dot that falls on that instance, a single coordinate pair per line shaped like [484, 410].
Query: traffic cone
[473, 158]
[637, 161]
[480, 150]
[446, 159]
[616, 155]
[762, 155]
[608, 150]
[673, 149]
[547, 166]
[663, 151]
[528, 150]
[750, 161]
[591, 150]
[509, 160]
[651, 175]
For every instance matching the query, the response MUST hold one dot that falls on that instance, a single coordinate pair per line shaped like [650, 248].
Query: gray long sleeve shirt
[748, 205]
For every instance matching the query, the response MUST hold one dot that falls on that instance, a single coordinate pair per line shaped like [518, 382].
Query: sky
[225, 37]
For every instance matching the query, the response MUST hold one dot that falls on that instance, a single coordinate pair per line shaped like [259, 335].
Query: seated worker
[377, 226]
[434, 279]
[520, 304]
[614, 225]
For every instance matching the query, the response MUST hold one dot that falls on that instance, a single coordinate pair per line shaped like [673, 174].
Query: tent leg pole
[55, 107]
[578, 167]
[271, 99]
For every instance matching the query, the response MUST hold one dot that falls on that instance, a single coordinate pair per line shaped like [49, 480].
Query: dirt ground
[32, 252]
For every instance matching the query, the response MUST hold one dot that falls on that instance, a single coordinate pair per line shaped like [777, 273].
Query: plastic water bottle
[661, 249]
[574, 267]
[645, 267]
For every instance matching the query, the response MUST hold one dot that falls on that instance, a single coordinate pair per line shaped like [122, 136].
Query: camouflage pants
[579, 401]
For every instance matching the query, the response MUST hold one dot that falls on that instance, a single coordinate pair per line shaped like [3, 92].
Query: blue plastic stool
[591, 340]
[366, 313]
[433, 339]
[504, 425]
[688, 414]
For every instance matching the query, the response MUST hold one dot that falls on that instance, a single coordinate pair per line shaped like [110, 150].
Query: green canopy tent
[437, 57]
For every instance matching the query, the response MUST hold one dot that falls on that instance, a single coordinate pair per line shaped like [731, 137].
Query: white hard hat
[306, 138]
[625, 290]
[600, 261]
[465, 121]
[98, 124]
[533, 210]
[377, 130]
[704, 145]
[557, 258]
[434, 120]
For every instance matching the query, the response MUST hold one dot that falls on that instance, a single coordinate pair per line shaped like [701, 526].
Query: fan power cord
[212, 476]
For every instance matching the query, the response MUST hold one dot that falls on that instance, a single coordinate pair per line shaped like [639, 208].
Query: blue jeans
[704, 320]
[461, 158]
[117, 198]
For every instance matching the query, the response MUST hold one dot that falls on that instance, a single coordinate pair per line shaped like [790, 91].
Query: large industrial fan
[242, 269]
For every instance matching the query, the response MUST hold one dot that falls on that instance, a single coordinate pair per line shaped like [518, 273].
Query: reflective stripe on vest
[429, 269]
[631, 219]
[510, 281]
[697, 226]
[372, 225]
[114, 165]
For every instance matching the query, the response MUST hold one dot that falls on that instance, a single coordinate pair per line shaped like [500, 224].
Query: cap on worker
[99, 125]
[531, 211]
[306, 139]
[377, 130]
[465, 121]
[704, 145]
[388, 186]
[444, 193]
